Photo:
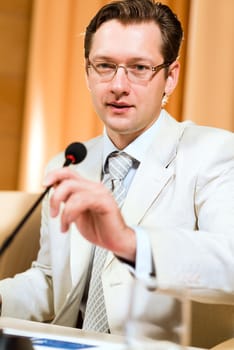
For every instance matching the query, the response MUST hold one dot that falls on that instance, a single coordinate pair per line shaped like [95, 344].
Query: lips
[119, 105]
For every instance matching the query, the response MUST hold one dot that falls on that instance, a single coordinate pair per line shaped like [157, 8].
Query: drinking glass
[158, 319]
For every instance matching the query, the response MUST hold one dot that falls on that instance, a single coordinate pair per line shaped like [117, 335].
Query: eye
[139, 68]
[105, 66]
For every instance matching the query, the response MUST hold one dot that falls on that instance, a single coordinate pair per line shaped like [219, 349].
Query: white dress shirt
[137, 149]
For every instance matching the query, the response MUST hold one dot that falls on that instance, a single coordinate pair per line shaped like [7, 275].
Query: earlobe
[172, 78]
[87, 83]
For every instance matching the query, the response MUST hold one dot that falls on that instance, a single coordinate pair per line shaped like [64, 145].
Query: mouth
[119, 106]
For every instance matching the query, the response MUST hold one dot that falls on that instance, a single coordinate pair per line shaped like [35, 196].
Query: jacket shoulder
[58, 160]
[207, 135]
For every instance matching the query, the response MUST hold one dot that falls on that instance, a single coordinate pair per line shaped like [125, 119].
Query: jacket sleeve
[201, 259]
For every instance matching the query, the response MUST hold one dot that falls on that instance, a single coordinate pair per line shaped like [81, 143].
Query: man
[176, 221]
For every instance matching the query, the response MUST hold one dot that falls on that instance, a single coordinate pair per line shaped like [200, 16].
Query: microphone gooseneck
[74, 154]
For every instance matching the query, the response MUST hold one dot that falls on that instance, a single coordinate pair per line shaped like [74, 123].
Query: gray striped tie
[95, 318]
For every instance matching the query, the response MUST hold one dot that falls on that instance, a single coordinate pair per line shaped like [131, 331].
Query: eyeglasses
[136, 73]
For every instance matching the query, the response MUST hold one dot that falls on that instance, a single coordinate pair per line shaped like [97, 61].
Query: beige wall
[209, 88]
[55, 108]
[15, 18]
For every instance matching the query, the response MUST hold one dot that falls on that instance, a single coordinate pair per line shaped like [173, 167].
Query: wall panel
[15, 17]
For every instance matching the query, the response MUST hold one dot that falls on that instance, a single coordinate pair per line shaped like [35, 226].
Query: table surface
[37, 329]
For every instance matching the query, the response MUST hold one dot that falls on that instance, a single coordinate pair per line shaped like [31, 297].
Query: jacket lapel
[153, 174]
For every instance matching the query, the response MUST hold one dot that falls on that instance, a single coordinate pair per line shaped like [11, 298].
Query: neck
[121, 141]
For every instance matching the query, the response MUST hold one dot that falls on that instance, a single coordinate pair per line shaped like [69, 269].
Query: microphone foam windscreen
[77, 151]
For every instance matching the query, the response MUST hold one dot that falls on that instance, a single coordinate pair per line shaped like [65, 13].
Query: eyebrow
[131, 59]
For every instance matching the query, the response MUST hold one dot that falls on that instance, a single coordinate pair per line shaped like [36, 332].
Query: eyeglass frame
[154, 69]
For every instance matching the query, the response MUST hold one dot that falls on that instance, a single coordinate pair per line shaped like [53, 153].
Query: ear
[87, 74]
[172, 79]
[87, 81]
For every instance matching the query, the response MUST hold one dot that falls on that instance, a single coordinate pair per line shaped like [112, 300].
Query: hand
[94, 211]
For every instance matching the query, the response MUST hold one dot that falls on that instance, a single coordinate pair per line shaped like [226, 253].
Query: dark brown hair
[138, 11]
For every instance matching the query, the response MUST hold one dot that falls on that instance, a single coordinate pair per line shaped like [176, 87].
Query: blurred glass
[158, 319]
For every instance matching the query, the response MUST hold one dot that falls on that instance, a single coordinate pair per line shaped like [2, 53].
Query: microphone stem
[72, 156]
[23, 220]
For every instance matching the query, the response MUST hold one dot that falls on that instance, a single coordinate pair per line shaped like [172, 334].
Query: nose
[120, 84]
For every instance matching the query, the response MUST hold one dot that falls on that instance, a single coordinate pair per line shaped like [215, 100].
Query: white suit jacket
[182, 195]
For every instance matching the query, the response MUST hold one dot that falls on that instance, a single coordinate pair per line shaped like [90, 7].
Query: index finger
[56, 176]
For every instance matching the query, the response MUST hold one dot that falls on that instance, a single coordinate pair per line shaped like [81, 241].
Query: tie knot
[119, 164]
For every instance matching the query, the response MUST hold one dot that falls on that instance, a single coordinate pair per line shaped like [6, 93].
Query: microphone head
[75, 153]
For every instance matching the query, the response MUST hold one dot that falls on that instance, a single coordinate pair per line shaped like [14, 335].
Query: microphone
[75, 153]
[9, 342]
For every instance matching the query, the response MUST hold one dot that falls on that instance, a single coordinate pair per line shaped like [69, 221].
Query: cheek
[97, 96]
[93, 90]
[92, 86]
[96, 89]
[151, 99]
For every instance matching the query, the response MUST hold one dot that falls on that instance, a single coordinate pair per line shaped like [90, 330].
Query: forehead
[117, 40]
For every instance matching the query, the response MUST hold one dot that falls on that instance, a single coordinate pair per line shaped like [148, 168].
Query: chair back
[23, 249]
